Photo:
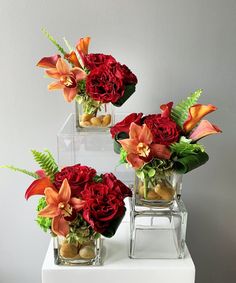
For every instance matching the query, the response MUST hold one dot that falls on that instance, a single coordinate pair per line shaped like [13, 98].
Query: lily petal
[53, 73]
[205, 128]
[62, 67]
[160, 151]
[72, 58]
[77, 203]
[55, 85]
[79, 73]
[38, 187]
[64, 192]
[82, 45]
[129, 145]
[166, 109]
[196, 113]
[70, 93]
[50, 211]
[145, 135]
[48, 62]
[51, 196]
[134, 160]
[60, 226]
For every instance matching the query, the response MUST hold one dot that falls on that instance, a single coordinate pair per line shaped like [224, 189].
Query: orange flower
[38, 187]
[83, 45]
[139, 146]
[59, 206]
[48, 62]
[196, 113]
[72, 58]
[67, 79]
[205, 128]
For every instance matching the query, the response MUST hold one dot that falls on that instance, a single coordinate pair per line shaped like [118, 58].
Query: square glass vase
[158, 191]
[98, 119]
[66, 253]
[158, 233]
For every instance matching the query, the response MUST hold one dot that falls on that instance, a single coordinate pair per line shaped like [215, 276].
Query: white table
[119, 268]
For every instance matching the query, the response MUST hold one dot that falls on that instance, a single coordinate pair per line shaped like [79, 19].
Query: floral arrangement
[76, 202]
[159, 144]
[92, 79]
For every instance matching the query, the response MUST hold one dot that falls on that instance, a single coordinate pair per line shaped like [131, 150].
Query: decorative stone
[95, 121]
[68, 250]
[85, 124]
[151, 195]
[106, 120]
[86, 117]
[87, 252]
[165, 192]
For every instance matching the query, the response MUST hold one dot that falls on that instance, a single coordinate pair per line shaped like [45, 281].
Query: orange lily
[196, 113]
[205, 128]
[48, 62]
[67, 79]
[38, 187]
[139, 146]
[83, 45]
[72, 58]
[58, 207]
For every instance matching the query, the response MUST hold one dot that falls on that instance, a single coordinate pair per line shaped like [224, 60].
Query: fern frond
[46, 162]
[183, 149]
[179, 113]
[24, 171]
[53, 40]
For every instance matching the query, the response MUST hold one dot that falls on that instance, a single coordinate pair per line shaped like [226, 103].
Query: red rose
[107, 82]
[103, 209]
[121, 190]
[123, 126]
[165, 131]
[92, 61]
[77, 176]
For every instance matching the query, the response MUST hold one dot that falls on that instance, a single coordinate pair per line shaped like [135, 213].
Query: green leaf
[192, 161]
[24, 171]
[123, 155]
[53, 40]
[47, 162]
[129, 90]
[183, 149]
[179, 113]
[98, 179]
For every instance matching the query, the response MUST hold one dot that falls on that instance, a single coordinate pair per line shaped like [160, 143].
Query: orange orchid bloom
[67, 79]
[48, 62]
[59, 206]
[139, 146]
[196, 113]
[205, 128]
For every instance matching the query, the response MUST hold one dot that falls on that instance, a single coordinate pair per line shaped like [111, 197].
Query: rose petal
[166, 109]
[48, 62]
[196, 113]
[204, 129]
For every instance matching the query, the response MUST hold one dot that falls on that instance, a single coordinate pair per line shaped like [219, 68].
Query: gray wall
[174, 47]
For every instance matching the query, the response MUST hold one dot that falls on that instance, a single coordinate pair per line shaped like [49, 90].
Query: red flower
[92, 61]
[164, 130]
[107, 82]
[104, 206]
[123, 126]
[77, 176]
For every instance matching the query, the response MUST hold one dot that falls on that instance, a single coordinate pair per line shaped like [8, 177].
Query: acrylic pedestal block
[158, 233]
[91, 148]
[118, 267]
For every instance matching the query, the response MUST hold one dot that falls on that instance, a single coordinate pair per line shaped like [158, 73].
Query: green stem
[145, 187]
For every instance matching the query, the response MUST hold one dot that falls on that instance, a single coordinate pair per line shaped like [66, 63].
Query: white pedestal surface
[119, 268]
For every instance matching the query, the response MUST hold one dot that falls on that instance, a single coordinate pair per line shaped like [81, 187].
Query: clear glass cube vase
[88, 253]
[158, 233]
[158, 190]
[98, 118]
